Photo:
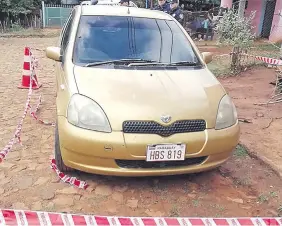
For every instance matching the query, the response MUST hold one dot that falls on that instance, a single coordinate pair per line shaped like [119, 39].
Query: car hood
[149, 94]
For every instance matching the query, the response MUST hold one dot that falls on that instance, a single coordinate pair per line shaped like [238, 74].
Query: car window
[104, 38]
[181, 48]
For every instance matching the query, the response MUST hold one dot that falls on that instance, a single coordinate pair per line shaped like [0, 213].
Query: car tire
[58, 156]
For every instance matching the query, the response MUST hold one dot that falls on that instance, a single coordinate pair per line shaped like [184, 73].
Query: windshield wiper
[119, 61]
[180, 63]
[185, 63]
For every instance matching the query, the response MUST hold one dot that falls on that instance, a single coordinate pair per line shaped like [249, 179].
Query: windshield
[107, 38]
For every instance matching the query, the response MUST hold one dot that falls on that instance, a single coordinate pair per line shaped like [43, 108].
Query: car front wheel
[58, 156]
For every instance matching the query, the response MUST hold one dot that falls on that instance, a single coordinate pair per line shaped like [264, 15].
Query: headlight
[227, 114]
[86, 113]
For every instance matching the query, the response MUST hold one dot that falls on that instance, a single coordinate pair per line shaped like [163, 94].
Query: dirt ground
[244, 186]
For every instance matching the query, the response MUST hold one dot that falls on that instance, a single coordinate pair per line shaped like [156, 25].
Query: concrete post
[241, 10]
[43, 14]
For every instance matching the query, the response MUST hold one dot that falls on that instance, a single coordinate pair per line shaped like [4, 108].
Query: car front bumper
[122, 154]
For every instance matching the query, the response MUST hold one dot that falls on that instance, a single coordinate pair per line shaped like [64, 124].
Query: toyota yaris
[135, 96]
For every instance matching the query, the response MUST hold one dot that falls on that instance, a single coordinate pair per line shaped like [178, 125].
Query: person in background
[123, 2]
[163, 5]
[176, 11]
[207, 28]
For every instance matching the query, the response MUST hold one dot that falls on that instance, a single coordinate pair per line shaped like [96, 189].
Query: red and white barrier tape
[19, 217]
[67, 179]
[33, 114]
[17, 134]
[267, 60]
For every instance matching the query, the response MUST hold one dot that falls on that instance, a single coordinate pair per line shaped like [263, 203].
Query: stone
[19, 206]
[37, 206]
[47, 195]
[240, 201]
[152, 213]
[104, 190]
[63, 201]
[112, 210]
[259, 114]
[68, 191]
[246, 207]
[24, 182]
[251, 197]
[117, 196]
[132, 203]
[121, 188]
[2, 191]
[41, 180]
[192, 196]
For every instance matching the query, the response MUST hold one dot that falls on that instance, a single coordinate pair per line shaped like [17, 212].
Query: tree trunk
[235, 57]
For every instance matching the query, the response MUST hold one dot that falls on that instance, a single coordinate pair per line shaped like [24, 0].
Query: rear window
[105, 38]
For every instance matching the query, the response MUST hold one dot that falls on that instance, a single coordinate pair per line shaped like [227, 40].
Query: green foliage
[16, 7]
[234, 30]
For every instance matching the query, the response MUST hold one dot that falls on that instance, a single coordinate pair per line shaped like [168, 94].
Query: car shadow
[201, 181]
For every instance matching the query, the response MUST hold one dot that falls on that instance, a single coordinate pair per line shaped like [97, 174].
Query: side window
[66, 33]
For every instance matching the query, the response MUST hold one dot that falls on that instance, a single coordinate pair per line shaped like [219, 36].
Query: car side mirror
[54, 53]
[207, 57]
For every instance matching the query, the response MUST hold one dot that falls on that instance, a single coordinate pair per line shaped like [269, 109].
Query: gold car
[135, 96]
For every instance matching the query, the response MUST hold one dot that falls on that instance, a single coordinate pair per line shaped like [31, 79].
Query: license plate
[165, 152]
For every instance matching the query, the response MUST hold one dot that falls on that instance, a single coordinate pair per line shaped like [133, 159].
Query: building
[267, 20]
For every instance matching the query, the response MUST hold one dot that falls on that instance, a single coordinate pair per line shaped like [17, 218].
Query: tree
[235, 30]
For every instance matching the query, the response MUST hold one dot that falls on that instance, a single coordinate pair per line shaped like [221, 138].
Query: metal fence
[55, 15]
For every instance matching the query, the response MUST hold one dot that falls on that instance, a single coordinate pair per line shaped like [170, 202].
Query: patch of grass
[218, 215]
[218, 207]
[174, 211]
[195, 203]
[262, 198]
[219, 67]
[273, 194]
[240, 151]
[242, 182]
[267, 47]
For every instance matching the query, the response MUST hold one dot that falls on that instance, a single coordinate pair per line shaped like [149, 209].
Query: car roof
[92, 10]
[107, 2]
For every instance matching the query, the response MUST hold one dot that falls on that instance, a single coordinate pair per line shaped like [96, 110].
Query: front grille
[151, 127]
[141, 164]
